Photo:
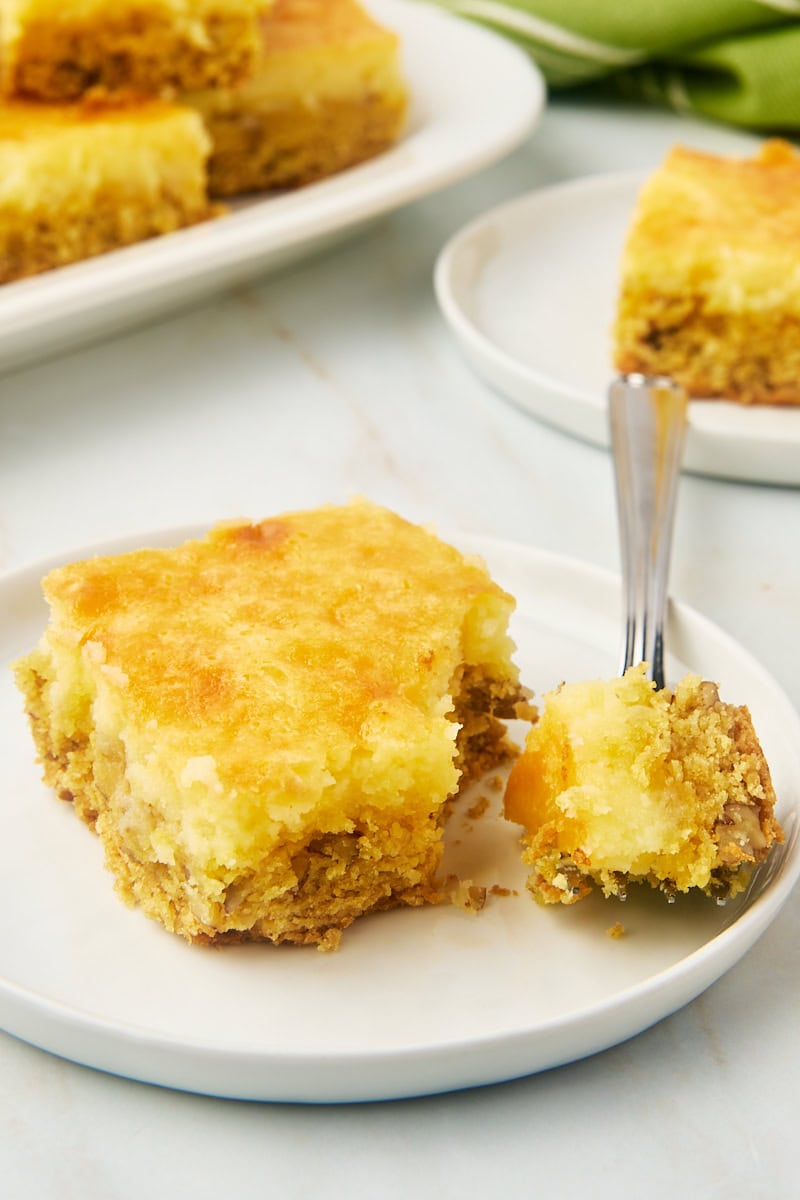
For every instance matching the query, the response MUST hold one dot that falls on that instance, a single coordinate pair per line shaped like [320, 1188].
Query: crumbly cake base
[56, 239]
[308, 891]
[139, 50]
[297, 145]
[751, 359]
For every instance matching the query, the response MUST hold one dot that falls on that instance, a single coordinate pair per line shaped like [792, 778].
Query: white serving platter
[454, 129]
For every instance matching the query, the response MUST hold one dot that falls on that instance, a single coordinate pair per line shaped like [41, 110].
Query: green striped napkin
[732, 60]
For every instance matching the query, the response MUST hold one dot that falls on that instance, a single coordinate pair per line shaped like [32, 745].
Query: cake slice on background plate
[710, 287]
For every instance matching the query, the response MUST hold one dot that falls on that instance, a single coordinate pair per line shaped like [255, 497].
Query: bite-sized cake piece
[710, 289]
[329, 94]
[60, 49]
[77, 181]
[619, 783]
[264, 726]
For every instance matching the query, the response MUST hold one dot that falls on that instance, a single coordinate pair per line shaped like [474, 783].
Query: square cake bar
[76, 181]
[329, 93]
[265, 726]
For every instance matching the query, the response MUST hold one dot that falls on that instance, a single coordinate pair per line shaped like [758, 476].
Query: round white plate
[453, 130]
[415, 1001]
[530, 289]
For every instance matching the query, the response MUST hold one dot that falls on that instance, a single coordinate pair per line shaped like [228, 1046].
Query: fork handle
[647, 416]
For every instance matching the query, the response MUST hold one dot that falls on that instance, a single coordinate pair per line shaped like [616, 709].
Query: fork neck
[647, 416]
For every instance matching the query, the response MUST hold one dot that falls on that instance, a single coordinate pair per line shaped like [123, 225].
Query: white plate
[529, 290]
[454, 129]
[415, 1001]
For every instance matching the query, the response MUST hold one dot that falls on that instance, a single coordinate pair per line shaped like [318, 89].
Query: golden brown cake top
[726, 228]
[293, 24]
[292, 639]
[24, 121]
[17, 13]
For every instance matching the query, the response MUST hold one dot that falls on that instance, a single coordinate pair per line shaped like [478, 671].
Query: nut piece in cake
[264, 726]
[710, 286]
[619, 783]
[76, 181]
[60, 49]
[329, 94]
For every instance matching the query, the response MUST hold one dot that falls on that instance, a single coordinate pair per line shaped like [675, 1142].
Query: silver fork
[647, 416]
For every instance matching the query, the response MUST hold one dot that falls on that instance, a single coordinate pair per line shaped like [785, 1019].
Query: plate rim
[276, 1075]
[455, 245]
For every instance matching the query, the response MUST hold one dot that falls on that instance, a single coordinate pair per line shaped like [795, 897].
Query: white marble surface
[334, 377]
